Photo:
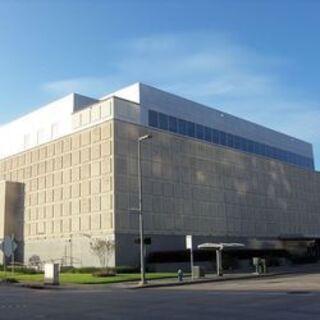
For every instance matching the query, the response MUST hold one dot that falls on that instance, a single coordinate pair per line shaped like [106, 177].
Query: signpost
[190, 247]
[8, 247]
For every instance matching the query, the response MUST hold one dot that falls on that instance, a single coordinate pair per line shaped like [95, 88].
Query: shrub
[127, 269]
[86, 270]
[109, 272]
[35, 261]
[11, 280]
[68, 269]
[24, 270]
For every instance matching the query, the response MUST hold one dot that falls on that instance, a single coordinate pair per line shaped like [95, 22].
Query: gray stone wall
[191, 187]
[68, 186]
[80, 187]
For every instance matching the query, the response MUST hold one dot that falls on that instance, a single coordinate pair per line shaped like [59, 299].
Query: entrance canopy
[220, 246]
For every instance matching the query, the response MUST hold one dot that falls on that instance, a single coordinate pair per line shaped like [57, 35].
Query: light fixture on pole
[141, 226]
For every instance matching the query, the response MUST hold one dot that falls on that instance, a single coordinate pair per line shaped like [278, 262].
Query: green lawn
[85, 278]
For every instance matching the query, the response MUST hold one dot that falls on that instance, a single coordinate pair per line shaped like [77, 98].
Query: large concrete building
[69, 177]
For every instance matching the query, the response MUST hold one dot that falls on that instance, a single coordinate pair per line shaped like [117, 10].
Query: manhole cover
[298, 292]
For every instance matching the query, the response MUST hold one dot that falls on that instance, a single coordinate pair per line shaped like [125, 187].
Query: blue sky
[256, 59]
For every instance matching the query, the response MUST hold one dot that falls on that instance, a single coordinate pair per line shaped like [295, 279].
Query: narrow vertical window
[182, 126]
[153, 119]
[173, 124]
[163, 121]
[199, 131]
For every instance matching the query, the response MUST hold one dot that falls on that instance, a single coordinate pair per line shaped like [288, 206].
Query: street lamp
[141, 228]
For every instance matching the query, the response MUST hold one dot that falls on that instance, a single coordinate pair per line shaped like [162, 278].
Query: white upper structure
[137, 104]
[45, 124]
[152, 98]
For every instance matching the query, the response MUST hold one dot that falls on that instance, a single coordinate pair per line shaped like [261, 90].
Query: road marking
[12, 306]
[263, 293]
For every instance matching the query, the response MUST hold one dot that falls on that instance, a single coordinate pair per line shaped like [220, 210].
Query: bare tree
[103, 249]
[35, 261]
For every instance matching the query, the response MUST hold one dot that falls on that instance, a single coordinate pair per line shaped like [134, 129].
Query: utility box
[197, 272]
[51, 273]
[260, 265]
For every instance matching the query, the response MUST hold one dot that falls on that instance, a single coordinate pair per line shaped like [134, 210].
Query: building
[68, 176]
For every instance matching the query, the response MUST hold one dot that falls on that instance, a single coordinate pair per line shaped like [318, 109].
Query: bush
[24, 270]
[10, 280]
[127, 269]
[68, 269]
[95, 270]
[86, 270]
[109, 272]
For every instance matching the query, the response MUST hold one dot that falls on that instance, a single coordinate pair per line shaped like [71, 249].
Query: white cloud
[213, 69]
[82, 85]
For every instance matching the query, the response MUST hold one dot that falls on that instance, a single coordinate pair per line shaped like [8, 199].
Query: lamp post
[71, 250]
[141, 227]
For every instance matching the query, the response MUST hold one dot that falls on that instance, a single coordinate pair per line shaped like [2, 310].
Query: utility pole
[141, 224]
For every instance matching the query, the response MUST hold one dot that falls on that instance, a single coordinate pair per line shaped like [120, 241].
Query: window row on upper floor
[198, 131]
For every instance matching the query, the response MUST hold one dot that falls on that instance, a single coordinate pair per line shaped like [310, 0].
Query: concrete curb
[134, 286]
[222, 279]
[38, 286]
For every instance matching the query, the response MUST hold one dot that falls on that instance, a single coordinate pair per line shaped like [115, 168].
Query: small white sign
[8, 246]
[189, 242]
[51, 273]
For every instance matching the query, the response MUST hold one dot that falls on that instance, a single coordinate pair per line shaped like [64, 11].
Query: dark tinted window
[237, 142]
[182, 126]
[207, 134]
[223, 138]
[165, 122]
[245, 145]
[190, 129]
[153, 119]
[250, 146]
[199, 131]
[215, 136]
[173, 124]
[230, 140]
[258, 148]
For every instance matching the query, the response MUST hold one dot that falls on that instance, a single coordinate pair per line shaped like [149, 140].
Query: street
[286, 297]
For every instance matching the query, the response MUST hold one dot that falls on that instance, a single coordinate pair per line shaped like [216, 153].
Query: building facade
[205, 173]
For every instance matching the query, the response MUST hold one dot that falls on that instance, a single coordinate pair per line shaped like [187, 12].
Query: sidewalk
[273, 272]
[170, 282]
[155, 283]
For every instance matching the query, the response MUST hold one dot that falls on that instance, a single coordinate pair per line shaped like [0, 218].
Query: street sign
[190, 247]
[8, 246]
[189, 242]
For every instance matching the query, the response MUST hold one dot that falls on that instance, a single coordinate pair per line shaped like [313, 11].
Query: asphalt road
[292, 297]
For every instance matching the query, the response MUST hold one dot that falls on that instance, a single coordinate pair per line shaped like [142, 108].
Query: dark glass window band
[187, 128]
